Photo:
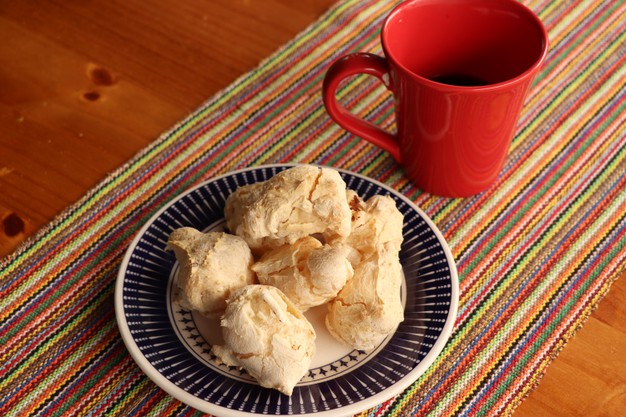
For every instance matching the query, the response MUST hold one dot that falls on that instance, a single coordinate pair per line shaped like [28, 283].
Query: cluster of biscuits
[295, 241]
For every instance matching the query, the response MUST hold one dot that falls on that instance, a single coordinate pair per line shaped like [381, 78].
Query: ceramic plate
[172, 345]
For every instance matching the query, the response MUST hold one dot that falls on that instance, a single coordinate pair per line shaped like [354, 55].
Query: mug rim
[520, 9]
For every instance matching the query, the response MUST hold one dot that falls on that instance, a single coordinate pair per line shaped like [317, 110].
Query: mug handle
[349, 65]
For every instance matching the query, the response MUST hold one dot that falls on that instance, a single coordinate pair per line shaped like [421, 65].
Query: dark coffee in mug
[460, 80]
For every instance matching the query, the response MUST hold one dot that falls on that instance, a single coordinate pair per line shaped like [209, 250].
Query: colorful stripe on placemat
[535, 253]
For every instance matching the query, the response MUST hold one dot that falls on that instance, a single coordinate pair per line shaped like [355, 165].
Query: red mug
[459, 72]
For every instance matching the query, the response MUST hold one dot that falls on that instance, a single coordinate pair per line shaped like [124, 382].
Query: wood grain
[86, 85]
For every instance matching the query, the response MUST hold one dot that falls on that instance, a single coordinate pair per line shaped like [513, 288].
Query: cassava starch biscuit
[212, 266]
[369, 307]
[375, 222]
[307, 272]
[266, 334]
[294, 203]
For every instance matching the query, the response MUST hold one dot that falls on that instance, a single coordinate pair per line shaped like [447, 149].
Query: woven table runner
[535, 253]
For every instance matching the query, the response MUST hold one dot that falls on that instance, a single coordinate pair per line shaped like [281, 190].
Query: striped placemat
[535, 253]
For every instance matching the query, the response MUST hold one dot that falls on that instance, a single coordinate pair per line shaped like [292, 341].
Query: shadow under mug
[459, 72]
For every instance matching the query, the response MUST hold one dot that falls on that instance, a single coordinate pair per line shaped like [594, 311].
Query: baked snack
[316, 243]
[266, 334]
[298, 202]
[375, 222]
[212, 266]
[307, 272]
[369, 307]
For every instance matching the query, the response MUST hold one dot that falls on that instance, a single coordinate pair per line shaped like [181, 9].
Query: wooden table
[86, 85]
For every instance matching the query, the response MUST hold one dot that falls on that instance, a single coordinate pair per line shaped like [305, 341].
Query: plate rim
[348, 410]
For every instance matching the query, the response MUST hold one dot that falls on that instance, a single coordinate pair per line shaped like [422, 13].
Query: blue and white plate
[172, 345]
